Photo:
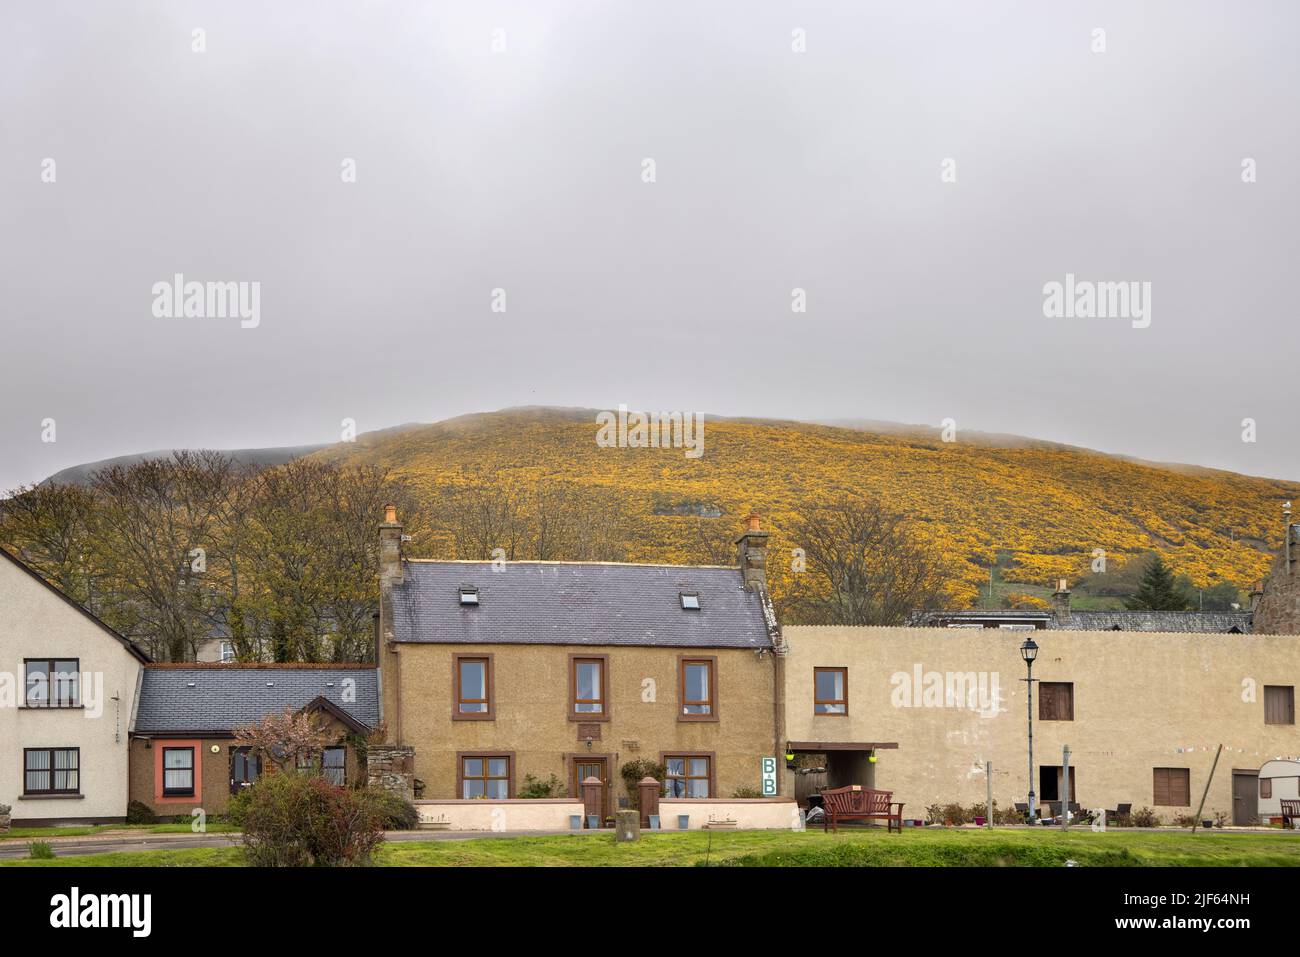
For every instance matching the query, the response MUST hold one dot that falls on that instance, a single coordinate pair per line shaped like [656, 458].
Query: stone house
[494, 673]
[920, 711]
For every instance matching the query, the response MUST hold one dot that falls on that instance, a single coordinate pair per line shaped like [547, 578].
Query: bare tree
[155, 522]
[865, 566]
[48, 527]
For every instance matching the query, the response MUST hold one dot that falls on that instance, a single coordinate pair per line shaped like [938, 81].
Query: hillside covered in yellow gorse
[1037, 509]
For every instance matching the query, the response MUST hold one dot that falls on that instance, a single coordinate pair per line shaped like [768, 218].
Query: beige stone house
[68, 686]
[1142, 714]
[494, 672]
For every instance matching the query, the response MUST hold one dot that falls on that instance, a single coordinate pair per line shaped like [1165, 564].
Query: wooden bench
[856, 803]
[1290, 811]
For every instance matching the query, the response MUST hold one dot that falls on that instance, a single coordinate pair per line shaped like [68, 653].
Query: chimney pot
[390, 514]
[753, 521]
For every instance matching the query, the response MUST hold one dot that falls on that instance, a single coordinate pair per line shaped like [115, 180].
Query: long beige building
[1143, 714]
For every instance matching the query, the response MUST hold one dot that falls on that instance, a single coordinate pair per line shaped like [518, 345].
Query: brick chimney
[1061, 601]
[752, 553]
[390, 548]
[1256, 593]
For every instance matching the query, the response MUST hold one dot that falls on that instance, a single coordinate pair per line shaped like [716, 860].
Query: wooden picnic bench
[1290, 811]
[856, 803]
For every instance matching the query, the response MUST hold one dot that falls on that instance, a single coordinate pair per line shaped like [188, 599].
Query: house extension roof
[577, 603]
[215, 698]
[1176, 622]
[1169, 622]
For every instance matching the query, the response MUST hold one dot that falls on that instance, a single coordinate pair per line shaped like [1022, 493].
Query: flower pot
[1207, 824]
[979, 822]
[575, 822]
[593, 822]
[683, 822]
[654, 822]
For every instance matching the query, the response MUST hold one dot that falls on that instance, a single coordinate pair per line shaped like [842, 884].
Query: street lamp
[1029, 651]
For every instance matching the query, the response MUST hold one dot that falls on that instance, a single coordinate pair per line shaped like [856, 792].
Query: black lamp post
[1029, 651]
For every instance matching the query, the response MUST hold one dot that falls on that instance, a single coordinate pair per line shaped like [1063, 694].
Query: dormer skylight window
[469, 596]
[690, 600]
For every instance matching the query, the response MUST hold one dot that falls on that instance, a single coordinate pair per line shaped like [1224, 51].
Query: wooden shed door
[1245, 797]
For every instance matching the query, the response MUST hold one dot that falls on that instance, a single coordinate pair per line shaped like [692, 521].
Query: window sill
[697, 718]
[474, 717]
[584, 718]
[51, 797]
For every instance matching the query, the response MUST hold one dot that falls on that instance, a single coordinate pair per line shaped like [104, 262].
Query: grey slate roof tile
[577, 603]
[227, 696]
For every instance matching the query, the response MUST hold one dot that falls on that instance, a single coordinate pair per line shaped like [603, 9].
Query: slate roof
[577, 603]
[1177, 622]
[1172, 622]
[227, 696]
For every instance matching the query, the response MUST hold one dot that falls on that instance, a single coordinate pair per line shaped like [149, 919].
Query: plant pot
[593, 822]
[1207, 824]
[575, 822]
[683, 822]
[654, 822]
[979, 822]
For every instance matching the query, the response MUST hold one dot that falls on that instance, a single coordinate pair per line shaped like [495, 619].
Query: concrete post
[627, 826]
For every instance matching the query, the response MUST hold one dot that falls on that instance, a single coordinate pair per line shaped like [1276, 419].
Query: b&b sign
[769, 777]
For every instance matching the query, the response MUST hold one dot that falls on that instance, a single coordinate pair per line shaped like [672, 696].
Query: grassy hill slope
[1038, 509]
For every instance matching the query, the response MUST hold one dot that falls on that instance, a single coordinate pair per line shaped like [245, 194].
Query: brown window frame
[710, 778]
[51, 790]
[574, 713]
[1185, 779]
[1266, 787]
[177, 792]
[490, 684]
[485, 756]
[818, 702]
[1288, 718]
[712, 701]
[49, 685]
[1043, 715]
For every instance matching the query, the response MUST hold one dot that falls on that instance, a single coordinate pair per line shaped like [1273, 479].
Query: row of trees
[171, 551]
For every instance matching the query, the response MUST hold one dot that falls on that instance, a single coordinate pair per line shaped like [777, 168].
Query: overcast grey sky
[522, 170]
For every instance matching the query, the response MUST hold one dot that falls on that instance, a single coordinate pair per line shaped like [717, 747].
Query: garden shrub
[534, 787]
[40, 851]
[396, 813]
[634, 771]
[745, 791]
[137, 812]
[302, 820]
[1144, 817]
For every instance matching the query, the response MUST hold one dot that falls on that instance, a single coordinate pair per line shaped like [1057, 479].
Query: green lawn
[45, 833]
[861, 848]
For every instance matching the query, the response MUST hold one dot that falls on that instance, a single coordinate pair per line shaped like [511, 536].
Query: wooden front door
[585, 767]
[1245, 797]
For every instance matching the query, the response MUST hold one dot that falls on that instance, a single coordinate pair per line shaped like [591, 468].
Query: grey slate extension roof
[223, 697]
[577, 603]
[1171, 622]
[1178, 622]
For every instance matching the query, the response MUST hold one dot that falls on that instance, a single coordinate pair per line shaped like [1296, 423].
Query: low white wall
[748, 813]
[545, 814]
